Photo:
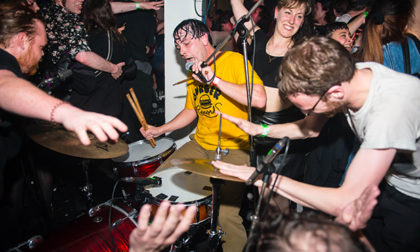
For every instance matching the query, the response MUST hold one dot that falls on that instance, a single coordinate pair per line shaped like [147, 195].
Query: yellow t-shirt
[206, 99]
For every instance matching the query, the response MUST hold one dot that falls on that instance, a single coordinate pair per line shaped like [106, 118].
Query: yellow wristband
[138, 7]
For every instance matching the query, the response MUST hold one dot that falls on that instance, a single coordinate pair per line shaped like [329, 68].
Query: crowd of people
[340, 78]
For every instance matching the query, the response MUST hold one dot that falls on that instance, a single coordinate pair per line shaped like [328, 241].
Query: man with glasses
[383, 110]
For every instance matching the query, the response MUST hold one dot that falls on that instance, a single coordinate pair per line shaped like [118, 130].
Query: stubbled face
[74, 6]
[343, 37]
[30, 58]
[289, 20]
[189, 48]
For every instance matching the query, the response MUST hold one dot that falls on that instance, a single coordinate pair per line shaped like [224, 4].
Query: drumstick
[179, 82]
[139, 113]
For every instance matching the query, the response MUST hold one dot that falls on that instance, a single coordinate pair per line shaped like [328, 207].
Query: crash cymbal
[55, 137]
[202, 167]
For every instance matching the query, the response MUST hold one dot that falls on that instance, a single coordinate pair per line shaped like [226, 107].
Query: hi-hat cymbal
[55, 137]
[202, 167]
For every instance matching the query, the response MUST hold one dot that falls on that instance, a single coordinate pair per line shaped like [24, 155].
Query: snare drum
[180, 186]
[142, 159]
[91, 232]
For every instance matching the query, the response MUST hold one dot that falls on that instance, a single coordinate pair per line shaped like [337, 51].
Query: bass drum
[92, 232]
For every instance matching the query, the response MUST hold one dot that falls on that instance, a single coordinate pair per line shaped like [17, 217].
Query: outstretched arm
[21, 97]
[308, 127]
[239, 11]
[120, 7]
[368, 167]
[95, 61]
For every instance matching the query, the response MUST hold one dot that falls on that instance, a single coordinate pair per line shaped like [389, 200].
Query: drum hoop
[153, 159]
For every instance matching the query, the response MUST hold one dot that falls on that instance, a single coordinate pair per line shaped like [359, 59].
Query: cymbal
[202, 167]
[55, 137]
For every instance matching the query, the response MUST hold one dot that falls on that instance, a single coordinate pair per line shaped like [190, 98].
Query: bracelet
[365, 13]
[266, 129]
[58, 104]
[216, 81]
[138, 7]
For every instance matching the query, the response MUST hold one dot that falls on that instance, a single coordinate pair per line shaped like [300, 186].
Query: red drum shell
[91, 233]
[142, 159]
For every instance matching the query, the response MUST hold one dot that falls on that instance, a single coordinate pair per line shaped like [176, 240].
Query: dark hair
[191, 26]
[97, 15]
[14, 19]
[384, 24]
[335, 26]
[314, 66]
[308, 231]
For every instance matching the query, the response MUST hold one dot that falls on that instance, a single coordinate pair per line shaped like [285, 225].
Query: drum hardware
[91, 232]
[219, 150]
[203, 167]
[31, 243]
[215, 235]
[87, 188]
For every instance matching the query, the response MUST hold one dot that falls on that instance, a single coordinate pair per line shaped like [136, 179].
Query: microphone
[61, 76]
[143, 181]
[188, 67]
[268, 159]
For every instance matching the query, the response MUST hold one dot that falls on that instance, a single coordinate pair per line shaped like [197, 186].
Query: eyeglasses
[316, 104]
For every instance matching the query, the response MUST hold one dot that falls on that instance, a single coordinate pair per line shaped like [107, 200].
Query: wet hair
[385, 23]
[14, 19]
[309, 231]
[314, 66]
[335, 26]
[191, 26]
[97, 15]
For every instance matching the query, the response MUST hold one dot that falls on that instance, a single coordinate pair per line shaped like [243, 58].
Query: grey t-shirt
[390, 118]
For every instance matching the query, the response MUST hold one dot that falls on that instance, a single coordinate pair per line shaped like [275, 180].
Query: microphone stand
[243, 33]
[268, 169]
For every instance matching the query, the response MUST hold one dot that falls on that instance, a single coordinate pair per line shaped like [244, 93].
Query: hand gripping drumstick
[139, 113]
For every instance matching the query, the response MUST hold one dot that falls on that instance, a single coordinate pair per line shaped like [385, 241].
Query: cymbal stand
[219, 150]
[87, 188]
[215, 235]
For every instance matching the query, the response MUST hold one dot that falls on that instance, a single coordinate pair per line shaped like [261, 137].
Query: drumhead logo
[207, 100]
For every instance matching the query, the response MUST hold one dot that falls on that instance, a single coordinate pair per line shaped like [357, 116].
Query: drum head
[141, 150]
[180, 186]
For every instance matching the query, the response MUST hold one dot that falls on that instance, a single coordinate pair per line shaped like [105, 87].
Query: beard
[28, 62]
[334, 108]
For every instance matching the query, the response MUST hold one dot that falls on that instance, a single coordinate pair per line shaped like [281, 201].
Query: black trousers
[395, 222]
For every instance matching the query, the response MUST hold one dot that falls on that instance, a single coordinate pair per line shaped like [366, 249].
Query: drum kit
[107, 226]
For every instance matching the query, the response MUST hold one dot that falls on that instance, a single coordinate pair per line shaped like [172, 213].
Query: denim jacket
[394, 59]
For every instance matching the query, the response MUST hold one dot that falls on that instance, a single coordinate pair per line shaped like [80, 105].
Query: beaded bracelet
[138, 7]
[266, 129]
[58, 104]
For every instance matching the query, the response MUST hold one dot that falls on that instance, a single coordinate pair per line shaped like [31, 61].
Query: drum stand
[87, 188]
[215, 235]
